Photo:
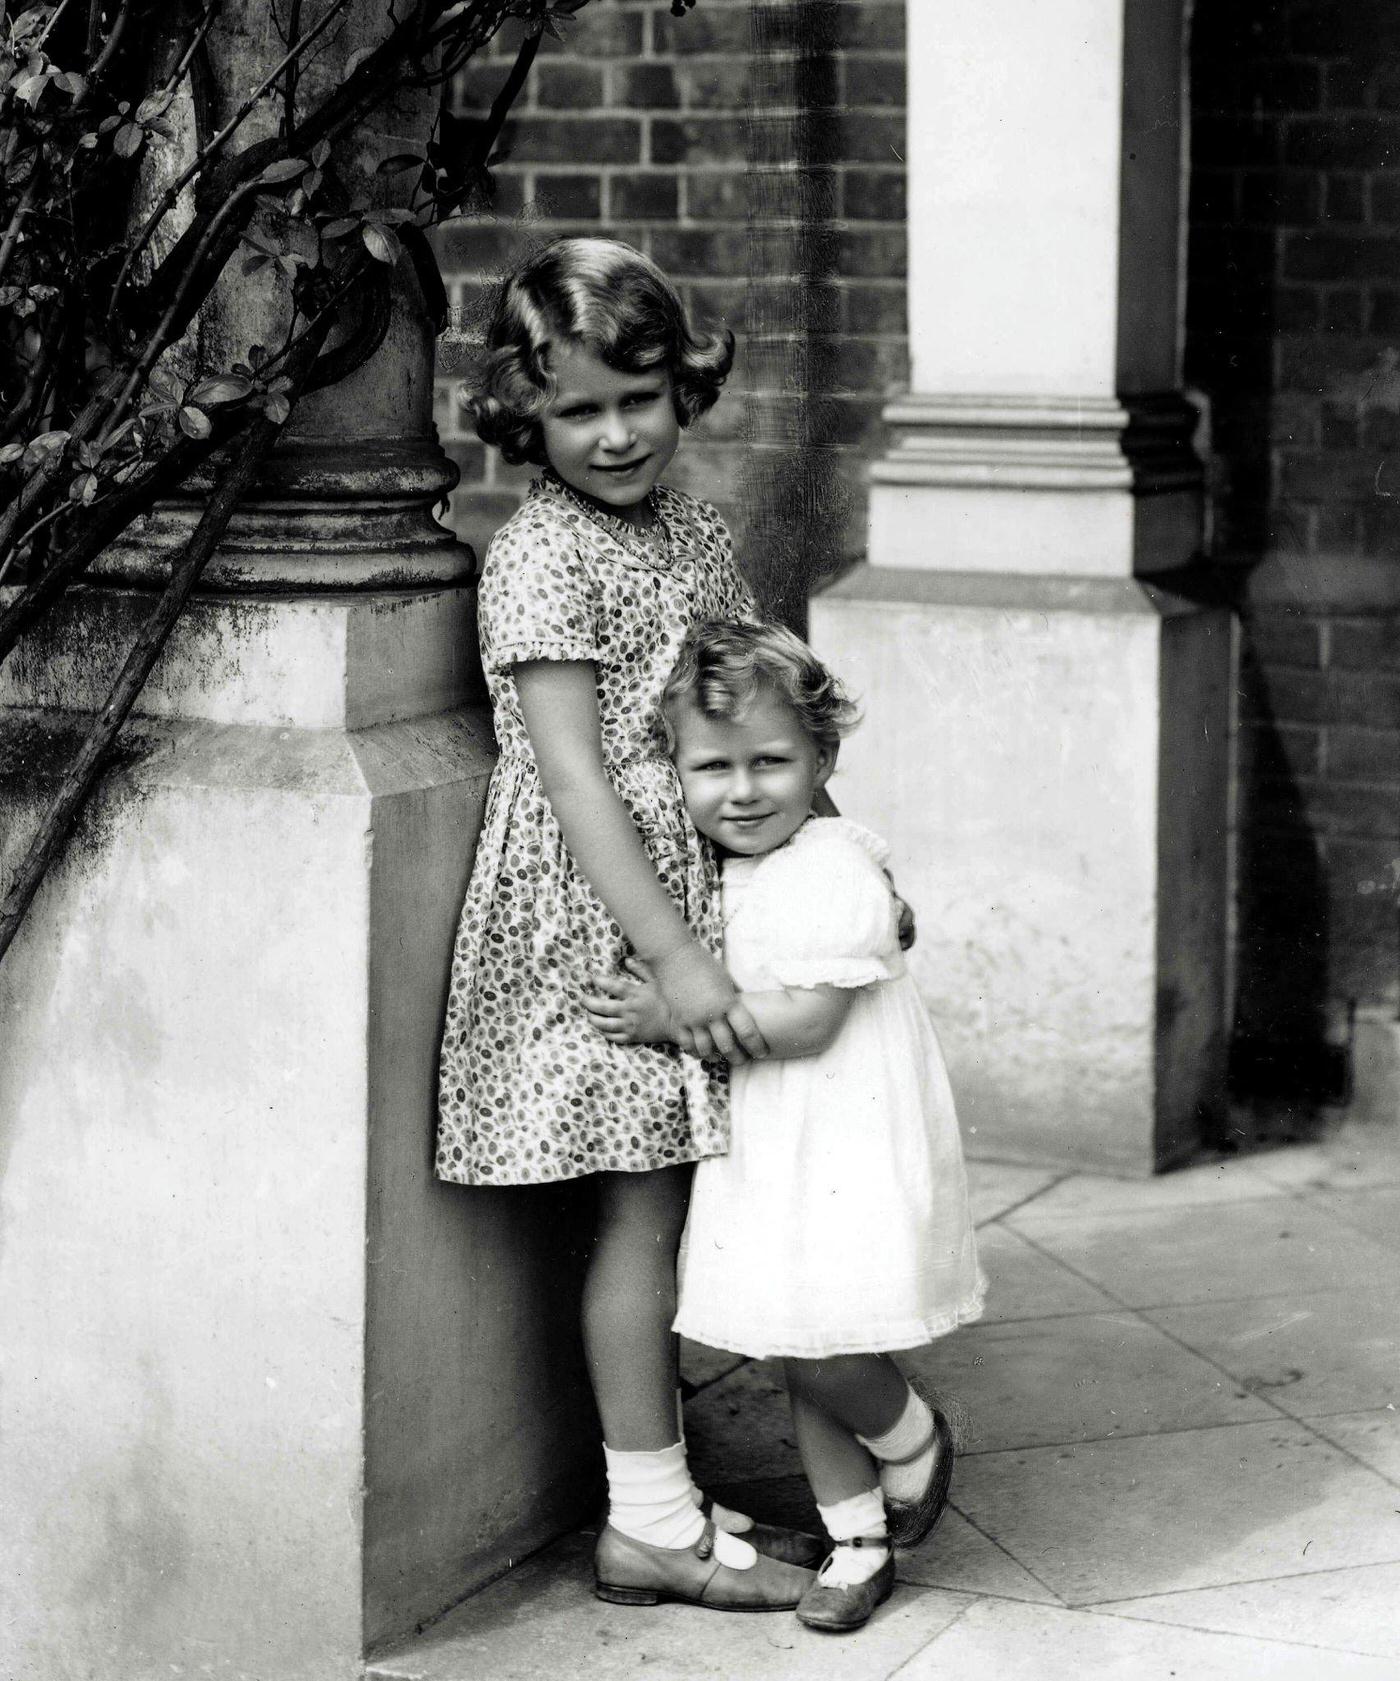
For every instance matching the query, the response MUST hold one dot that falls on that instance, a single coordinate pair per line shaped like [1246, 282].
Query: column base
[1016, 484]
[273, 1392]
[1048, 759]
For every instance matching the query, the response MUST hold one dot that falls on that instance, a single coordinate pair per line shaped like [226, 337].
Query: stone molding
[1140, 444]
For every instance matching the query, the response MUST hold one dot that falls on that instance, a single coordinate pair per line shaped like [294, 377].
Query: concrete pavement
[1180, 1455]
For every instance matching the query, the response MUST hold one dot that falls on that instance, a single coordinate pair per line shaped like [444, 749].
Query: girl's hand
[908, 929]
[629, 1009]
[705, 1006]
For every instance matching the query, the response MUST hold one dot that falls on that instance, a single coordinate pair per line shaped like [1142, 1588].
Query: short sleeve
[537, 599]
[832, 921]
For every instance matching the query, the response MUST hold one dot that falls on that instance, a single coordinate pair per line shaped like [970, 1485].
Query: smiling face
[609, 435]
[748, 781]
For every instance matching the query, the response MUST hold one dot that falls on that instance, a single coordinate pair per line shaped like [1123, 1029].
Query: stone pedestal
[1047, 731]
[271, 1394]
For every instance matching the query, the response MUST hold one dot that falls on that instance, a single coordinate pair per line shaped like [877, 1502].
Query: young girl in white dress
[837, 1229]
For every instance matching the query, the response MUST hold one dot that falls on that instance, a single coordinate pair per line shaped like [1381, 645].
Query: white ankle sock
[861, 1515]
[649, 1498]
[913, 1427]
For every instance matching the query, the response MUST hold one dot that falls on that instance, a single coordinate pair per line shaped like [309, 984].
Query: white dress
[838, 1223]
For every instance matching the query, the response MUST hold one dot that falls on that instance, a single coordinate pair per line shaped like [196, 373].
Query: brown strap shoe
[837, 1610]
[788, 1546]
[629, 1572]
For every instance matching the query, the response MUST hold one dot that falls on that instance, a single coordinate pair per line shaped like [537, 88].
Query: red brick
[1385, 199]
[707, 29]
[1314, 476]
[876, 308]
[1370, 699]
[872, 80]
[1295, 697]
[701, 250]
[1279, 750]
[1339, 528]
[601, 32]
[1384, 317]
[1328, 28]
[541, 139]
[473, 245]
[793, 195]
[865, 23]
[714, 84]
[1344, 310]
[717, 195]
[1340, 428]
[778, 307]
[704, 140]
[469, 459]
[876, 195]
[1298, 309]
[1329, 808]
[1356, 755]
[879, 250]
[1341, 256]
[564, 85]
[644, 87]
[1350, 142]
[647, 196]
[569, 197]
[1371, 644]
[870, 137]
[1281, 197]
[1380, 430]
[1275, 639]
[1222, 141]
[1345, 198]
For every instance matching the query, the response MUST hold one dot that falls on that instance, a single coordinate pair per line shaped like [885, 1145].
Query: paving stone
[1168, 1257]
[1376, 1213]
[1162, 1514]
[1355, 1610]
[740, 1428]
[701, 1366]
[542, 1623]
[1231, 1180]
[960, 1558]
[1328, 1352]
[995, 1187]
[1354, 1158]
[1371, 1437]
[1023, 1282]
[1076, 1379]
[1038, 1643]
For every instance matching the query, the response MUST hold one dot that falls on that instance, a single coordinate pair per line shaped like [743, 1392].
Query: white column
[1045, 729]
[1044, 431]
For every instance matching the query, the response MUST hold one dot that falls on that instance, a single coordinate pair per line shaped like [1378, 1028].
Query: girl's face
[749, 781]
[609, 435]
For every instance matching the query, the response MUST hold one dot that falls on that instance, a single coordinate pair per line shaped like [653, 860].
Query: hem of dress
[889, 1339]
[572, 1173]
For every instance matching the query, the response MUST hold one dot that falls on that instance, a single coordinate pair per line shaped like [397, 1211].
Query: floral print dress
[528, 1091]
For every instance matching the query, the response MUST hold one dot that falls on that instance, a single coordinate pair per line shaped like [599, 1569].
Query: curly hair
[609, 297]
[722, 667]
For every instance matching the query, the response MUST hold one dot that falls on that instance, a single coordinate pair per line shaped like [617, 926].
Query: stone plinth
[271, 1394]
[1033, 749]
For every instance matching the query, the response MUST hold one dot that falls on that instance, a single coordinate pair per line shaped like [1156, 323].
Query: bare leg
[864, 1392]
[837, 1466]
[629, 1301]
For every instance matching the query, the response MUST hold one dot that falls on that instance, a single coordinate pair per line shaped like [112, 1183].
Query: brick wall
[755, 151]
[1294, 332]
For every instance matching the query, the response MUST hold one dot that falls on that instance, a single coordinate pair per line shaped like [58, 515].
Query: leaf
[127, 141]
[83, 488]
[219, 388]
[285, 169]
[154, 105]
[277, 408]
[399, 161]
[381, 243]
[49, 441]
[71, 82]
[194, 423]
[11, 452]
[164, 383]
[311, 182]
[341, 226]
[28, 90]
[355, 60]
[320, 152]
[256, 261]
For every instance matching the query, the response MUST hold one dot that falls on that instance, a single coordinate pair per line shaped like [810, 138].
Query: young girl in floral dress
[836, 1230]
[587, 857]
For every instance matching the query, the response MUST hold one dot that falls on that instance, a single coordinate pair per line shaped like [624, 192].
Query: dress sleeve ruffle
[537, 600]
[827, 913]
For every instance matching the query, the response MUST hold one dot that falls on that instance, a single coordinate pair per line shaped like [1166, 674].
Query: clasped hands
[684, 998]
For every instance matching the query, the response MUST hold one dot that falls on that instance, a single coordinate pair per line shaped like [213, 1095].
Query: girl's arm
[559, 702]
[794, 1021]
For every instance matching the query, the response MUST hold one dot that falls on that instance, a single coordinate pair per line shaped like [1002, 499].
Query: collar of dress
[627, 538]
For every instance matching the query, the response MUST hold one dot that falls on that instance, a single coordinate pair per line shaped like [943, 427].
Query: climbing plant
[123, 202]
